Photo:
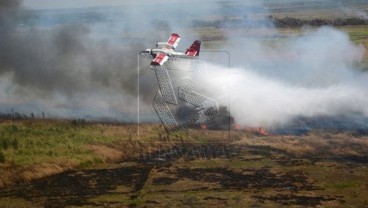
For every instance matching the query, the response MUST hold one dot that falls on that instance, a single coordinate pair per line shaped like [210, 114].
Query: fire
[257, 130]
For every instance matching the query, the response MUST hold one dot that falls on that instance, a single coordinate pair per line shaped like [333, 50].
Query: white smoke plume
[314, 76]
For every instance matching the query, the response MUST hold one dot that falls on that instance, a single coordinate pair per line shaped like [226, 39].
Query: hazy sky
[54, 4]
[51, 4]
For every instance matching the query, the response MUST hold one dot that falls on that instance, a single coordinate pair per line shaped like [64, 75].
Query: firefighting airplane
[166, 50]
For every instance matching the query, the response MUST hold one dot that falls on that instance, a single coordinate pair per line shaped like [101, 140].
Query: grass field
[359, 35]
[95, 165]
[36, 148]
[29, 141]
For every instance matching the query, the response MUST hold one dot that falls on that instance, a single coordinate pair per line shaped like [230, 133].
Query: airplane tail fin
[194, 49]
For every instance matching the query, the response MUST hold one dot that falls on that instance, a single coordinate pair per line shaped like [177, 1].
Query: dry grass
[317, 144]
[10, 174]
[105, 152]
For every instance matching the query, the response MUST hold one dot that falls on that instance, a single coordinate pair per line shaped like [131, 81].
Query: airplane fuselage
[168, 51]
[164, 51]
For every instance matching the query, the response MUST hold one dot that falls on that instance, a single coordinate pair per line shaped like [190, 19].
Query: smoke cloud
[10, 4]
[314, 76]
[83, 63]
[63, 67]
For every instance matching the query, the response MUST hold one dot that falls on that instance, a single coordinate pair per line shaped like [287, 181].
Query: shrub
[2, 157]
[15, 143]
[11, 129]
[4, 143]
[86, 164]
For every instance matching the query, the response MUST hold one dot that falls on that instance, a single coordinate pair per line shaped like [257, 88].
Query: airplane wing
[171, 44]
[173, 40]
[160, 59]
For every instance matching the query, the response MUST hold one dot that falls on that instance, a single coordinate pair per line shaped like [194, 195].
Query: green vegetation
[359, 35]
[2, 157]
[44, 141]
[234, 164]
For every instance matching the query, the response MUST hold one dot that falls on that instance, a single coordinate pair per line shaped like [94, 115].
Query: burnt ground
[75, 187]
[203, 175]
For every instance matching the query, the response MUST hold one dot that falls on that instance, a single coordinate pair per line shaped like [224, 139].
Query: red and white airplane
[166, 50]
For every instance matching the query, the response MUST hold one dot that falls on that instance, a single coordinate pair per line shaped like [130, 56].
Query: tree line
[280, 22]
[13, 115]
